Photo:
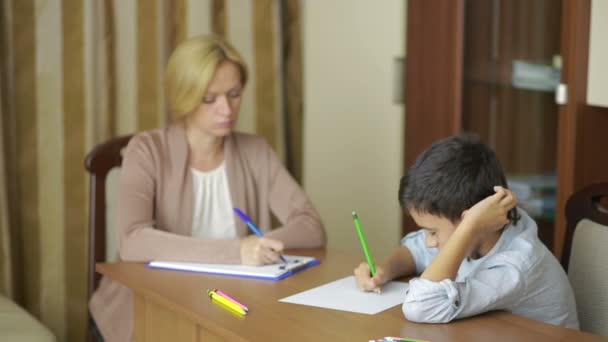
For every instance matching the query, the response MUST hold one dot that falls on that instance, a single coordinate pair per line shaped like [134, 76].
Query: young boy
[476, 251]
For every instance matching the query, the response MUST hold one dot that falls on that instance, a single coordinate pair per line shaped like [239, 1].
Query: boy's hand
[490, 214]
[368, 283]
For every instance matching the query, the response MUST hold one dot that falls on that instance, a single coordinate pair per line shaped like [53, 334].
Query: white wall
[597, 79]
[353, 131]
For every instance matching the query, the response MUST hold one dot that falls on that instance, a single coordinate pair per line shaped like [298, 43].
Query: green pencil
[368, 257]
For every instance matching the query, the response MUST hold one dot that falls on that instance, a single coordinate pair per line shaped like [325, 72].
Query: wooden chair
[585, 255]
[99, 162]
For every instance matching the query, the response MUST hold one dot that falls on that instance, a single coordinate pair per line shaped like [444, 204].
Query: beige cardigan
[155, 212]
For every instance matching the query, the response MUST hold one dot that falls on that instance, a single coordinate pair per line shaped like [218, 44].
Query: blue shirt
[519, 275]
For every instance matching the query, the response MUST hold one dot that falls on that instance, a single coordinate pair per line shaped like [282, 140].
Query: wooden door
[433, 77]
[433, 73]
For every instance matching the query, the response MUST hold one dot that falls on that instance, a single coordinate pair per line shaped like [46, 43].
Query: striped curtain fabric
[74, 73]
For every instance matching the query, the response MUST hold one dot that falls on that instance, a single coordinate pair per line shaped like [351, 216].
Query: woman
[179, 184]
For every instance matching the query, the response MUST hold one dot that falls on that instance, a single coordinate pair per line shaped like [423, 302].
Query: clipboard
[274, 272]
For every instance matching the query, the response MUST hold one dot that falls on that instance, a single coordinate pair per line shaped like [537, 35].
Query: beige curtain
[6, 266]
[291, 58]
[74, 73]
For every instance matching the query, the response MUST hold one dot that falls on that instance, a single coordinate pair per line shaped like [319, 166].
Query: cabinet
[464, 73]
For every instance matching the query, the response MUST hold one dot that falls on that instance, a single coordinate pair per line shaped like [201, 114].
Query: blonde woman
[179, 184]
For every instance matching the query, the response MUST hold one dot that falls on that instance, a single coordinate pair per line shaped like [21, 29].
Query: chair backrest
[99, 162]
[585, 255]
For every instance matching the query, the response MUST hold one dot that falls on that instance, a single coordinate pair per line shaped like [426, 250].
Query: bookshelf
[464, 73]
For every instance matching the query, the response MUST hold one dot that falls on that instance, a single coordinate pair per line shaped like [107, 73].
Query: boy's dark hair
[451, 176]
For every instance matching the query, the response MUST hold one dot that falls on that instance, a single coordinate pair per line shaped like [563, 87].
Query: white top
[518, 275]
[212, 216]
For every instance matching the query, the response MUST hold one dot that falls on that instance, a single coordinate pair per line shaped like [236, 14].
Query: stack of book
[535, 194]
[535, 76]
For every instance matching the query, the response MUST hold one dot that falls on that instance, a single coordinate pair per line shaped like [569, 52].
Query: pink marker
[231, 299]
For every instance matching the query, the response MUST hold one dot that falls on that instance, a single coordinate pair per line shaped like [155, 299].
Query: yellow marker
[227, 303]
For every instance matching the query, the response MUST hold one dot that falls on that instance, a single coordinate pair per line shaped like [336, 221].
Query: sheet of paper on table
[343, 294]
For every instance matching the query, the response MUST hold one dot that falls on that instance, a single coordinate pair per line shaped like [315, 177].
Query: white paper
[344, 295]
[268, 271]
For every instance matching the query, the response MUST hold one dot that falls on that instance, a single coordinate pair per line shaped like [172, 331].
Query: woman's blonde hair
[192, 66]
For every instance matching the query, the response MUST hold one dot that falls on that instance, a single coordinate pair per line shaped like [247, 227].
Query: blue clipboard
[274, 272]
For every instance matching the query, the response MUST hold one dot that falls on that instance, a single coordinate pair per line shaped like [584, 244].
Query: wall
[598, 55]
[353, 130]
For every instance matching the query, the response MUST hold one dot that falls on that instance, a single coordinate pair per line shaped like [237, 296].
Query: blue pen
[252, 226]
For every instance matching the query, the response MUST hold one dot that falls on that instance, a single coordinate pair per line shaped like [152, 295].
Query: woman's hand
[257, 251]
[368, 283]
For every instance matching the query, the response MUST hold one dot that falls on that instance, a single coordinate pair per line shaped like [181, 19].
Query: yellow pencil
[225, 302]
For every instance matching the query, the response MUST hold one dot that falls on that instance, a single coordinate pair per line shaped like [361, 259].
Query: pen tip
[354, 214]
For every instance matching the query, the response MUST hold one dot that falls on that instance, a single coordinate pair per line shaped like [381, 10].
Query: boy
[476, 251]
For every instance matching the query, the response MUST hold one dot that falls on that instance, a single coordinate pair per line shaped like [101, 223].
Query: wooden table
[173, 306]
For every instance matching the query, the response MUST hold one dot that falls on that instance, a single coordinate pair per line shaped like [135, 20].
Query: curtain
[6, 281]
[74, 73]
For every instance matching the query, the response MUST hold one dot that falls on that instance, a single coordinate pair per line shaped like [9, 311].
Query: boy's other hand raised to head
[491, 213]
